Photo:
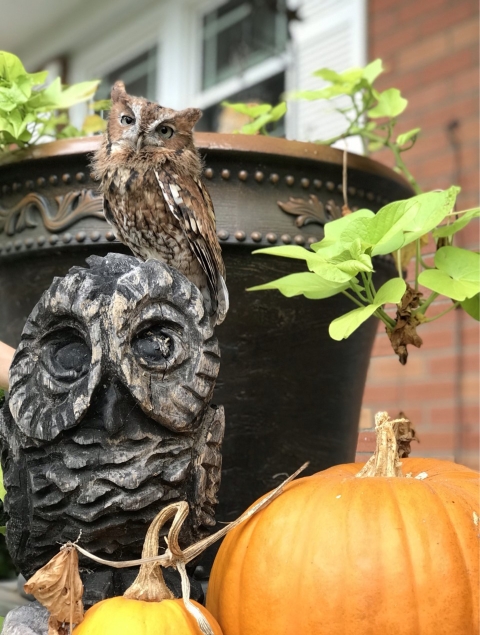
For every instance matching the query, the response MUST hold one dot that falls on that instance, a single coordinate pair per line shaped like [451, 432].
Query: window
[139, 76]
[215, 118]
[240, 34]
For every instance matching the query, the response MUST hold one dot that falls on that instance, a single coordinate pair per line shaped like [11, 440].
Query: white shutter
[331, 34]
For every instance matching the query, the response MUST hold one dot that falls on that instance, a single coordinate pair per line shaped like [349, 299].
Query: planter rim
[218, 141]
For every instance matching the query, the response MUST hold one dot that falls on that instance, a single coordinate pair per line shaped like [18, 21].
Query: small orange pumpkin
[148, 606]
[337, 554]
[122, 616]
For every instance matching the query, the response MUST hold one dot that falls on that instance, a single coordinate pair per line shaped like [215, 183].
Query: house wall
[430, 49]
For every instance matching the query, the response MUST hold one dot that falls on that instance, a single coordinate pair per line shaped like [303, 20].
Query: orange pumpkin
[336, 554]
[122, 616]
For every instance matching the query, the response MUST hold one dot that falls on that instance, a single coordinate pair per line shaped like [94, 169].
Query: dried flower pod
[59, 588]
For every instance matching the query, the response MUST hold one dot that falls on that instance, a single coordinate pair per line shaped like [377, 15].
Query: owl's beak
[140, 143]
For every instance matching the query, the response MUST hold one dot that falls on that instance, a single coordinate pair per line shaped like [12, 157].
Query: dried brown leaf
[405, 434]
[405, 330]
[59, 588]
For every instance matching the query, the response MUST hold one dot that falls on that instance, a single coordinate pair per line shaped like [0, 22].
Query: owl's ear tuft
[118, 91]
[189, 116]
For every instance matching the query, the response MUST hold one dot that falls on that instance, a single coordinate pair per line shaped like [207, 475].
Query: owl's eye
[125, 120]
[158, 347]
[165, 131]
[66, 355]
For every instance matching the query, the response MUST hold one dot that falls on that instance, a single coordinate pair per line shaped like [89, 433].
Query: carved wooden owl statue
[108, 417]
[150, 175]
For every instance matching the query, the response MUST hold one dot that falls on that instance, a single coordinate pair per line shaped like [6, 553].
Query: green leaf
[373, 146]
[472, 306]
[18, 123]
[343, 326]
[404, 138]
[69, 132]
[457, 275]
[399, 223]
[432, 209]
[251, 110]
[353, 267]
[390, 104]
[329, 271]
[461, 264]
[10, 66]
[335, 228]
[93, 123]
[373, 70]
[441, 282]
[11, 98]
[101, 104]
[306, 283]
[47, 97]
[390, 293]
[255, 126]
[383, 231]
[76, 94]
[460, 223]
[279, 111]
[333, 245]
[321, 93]
[37, 79]
[285, 251]
[328, 75]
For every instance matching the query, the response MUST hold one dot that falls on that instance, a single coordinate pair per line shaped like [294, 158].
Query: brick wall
[430, 50]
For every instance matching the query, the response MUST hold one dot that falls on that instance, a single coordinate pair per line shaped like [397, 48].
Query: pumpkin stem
[149, 585]
[385, 460]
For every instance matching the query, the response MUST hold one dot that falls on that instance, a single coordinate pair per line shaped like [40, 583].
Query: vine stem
[366, 284]
[359, 295]
[350, 297]
[417, 262]
[423, 307]
[402, 167]
[398, 258]
[439, 315]
[386, 319]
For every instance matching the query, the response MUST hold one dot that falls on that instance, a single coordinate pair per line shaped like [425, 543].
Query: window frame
[204, 98]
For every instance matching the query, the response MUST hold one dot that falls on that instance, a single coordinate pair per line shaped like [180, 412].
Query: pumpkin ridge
[452, 488]
[406, 547]
[454, 531]
[348, 485]
[458, 492]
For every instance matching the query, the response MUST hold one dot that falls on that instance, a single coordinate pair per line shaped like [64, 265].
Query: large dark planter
[290, 393]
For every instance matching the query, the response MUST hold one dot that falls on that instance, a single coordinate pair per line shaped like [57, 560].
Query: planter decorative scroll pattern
[311, 210]
[71, 208]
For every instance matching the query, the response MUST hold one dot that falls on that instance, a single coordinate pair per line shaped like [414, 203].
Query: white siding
[331, 34]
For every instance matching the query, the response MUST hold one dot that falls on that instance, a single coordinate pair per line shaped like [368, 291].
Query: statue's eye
[165, 131]
[65, 355]
[125, 120]
[158, 346]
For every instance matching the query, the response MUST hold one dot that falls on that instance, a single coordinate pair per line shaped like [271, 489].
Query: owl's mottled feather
[150, 175]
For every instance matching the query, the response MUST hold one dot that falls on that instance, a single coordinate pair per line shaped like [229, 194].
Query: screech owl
[150, 175]
[108, 418]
